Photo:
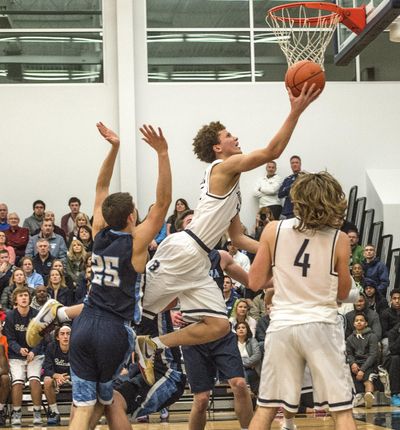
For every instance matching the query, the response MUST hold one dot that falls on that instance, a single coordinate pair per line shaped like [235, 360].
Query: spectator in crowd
[40, 297]
[257, 307]
[17, 236]
[43, 259]
[3, 217]
[76, 258]
[4, 245]
[34, 222]
[390, 317]
[4, 377]
[240, 313]
[372, 317]
[49, 216]
[242, 260]
[56, 371]
[24, 361]
[357, 251]
[6, 269]
[58, 289]
[17, 280]
[375, 269]
[83, 286]
[68, 220]
[362, 356]
[357, 272]
[263, 217]
[181, 205]
[58, 248]
[251, 355]
[33, 279]
[230, 295]
[59, 265]
[85, 237]
[80, 220]
[284, 190]
[262, 325]
[374, 300]
[267, 188]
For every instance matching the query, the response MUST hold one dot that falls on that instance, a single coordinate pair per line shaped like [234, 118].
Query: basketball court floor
[377, 418]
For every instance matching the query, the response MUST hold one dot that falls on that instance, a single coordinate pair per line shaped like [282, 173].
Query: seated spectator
[240, 313]
[80, 220]
[85, 237]
[57, 288]
[263, 217]
[4, 245]
[390, 317]
[57, 246]
[357, 272]
[262, 325]
[33, 279]
[34, 222]
[6, 269]
[24, 361]
[372, 318]
[251, 355]
[4, 217]
[230, 295]
[68, 220]
[17, 236]
[43, 259]
[84, 285]
[59, 265]
[56, 371]
[375, 269]
[362, 356]
[17, 280]
[374, 300]
[357, 251]
[49, 216]
[40, 297]
[257, 307]
[76, 258]
[266, 190]
[181, 205]
[4, 377]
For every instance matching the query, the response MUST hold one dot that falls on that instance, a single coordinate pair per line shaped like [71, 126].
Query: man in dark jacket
[372, 318]
[374, 299]
[375, 269]
[284, 190]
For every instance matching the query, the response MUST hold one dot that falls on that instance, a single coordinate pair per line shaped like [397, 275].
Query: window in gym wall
[44, 41]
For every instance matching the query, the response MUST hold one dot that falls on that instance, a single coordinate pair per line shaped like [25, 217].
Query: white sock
[16, 408]
[36, 408]
[288, 423]
[62, 315]
[2, 406]
[158, 342]
[54, 408]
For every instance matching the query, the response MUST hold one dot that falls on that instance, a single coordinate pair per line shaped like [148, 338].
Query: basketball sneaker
[358, 400]
[145, 349]
[16, 418]
[384, 378]
[369, 399]
[42, 322]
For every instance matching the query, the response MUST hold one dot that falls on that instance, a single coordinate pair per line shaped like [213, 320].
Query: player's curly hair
[205, 139]
[318, 201]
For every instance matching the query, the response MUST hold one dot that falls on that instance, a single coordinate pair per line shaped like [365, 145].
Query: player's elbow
[254, 284]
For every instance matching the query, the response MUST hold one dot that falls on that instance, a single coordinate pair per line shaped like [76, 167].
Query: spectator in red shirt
[17, 236]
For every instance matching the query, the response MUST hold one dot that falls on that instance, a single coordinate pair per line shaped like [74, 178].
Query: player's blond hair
[318, 201]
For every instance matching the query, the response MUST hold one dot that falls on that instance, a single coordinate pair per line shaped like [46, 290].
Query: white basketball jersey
[305, 282]
[213, 214]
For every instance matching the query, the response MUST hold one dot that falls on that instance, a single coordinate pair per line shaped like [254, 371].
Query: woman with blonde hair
[18, 279]
[240, 313]
[58, 289]
[81, 219]
[76, 258]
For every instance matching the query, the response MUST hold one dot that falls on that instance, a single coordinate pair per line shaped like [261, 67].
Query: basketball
[302, 72]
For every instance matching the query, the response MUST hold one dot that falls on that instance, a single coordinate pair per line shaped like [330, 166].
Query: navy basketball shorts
[203, 361]
[100, 343]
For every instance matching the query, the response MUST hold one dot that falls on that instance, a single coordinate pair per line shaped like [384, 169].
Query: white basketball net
[301, 40]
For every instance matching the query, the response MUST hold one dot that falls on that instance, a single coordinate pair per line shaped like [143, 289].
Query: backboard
[380, 14]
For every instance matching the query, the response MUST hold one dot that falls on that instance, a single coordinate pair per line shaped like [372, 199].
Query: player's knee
[238, 385]
[48, 383]
[5, 380]
[201, 401]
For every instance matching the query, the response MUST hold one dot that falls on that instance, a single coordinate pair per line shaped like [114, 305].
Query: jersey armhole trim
[335, 239]
[276, 242]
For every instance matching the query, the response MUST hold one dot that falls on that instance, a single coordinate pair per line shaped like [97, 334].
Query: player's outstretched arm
[239, 239]
[104, 177]
[148, 229]
[261, 268]
[342, 258]
[243, 163]
[233, 269]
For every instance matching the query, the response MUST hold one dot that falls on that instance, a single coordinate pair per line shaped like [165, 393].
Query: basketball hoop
[304, 29]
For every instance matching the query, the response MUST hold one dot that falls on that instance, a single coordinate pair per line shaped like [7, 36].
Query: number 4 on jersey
[306, 257]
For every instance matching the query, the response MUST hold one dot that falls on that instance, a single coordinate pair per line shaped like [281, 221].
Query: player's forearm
[107, 168]
[164, 183]
[242, 241]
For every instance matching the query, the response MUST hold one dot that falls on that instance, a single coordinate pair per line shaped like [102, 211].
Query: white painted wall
[53, 150]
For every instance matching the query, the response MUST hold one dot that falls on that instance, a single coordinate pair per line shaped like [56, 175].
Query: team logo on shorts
[155, 265]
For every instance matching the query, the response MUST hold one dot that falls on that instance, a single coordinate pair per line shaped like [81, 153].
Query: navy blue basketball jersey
[116, 287]
[215, 271]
